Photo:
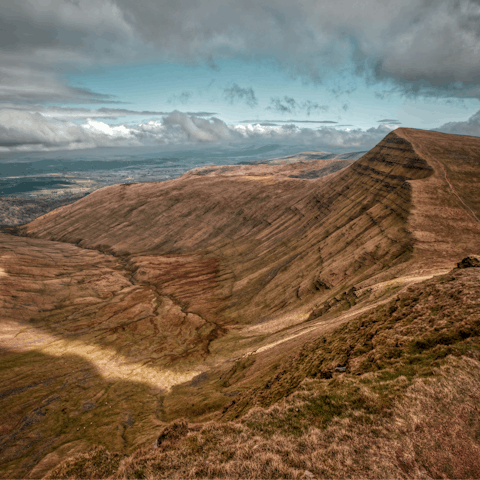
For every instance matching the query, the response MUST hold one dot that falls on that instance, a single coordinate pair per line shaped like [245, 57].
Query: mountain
[210, 294]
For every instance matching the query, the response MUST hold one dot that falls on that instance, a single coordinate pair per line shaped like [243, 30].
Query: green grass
[398, 339]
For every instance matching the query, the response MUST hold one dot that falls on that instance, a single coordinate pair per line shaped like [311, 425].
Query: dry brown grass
[439, 423]
[433, 432]
[97, 463]
[407, 405]
[408, 336]
[202, 256]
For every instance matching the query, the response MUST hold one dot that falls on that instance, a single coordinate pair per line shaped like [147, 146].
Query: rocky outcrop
[469, 262]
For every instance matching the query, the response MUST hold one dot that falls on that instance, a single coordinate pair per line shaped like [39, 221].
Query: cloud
[310, 107]
[288, 121]
[183, 98]
[21, 131]
[201, 114]
[419, 48]
[322, 138]
[469, 127]
[287, 105]
[31, 84]
[83, 113]
[424, 48]
[337, 92]
[39, 41]
[390, 121]
[24, 131]
[78, 113]
[435, 52]
[195, 129]
[290, 105]
[236, 93]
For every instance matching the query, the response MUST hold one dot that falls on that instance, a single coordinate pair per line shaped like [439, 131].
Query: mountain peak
[146, 295]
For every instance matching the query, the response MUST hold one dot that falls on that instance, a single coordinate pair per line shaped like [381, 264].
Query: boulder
[470, 261]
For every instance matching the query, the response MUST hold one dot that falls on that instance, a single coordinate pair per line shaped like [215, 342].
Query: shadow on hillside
[48, 401]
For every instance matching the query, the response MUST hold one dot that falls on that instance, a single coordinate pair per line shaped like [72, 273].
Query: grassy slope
[261, 244]
[357, 226]
[406, 406]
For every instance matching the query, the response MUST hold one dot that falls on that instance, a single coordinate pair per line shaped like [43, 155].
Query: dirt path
[322, 326]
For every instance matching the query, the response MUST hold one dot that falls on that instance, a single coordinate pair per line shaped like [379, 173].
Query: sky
[323, 75]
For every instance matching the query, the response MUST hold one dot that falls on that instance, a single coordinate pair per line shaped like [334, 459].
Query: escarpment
[121, 308]
[240, 244]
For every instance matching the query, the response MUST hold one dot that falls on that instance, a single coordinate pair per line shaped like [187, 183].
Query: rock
[319, 284]
[308, 474]
[470, 261]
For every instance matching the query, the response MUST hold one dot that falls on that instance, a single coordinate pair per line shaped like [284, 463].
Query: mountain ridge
[200, 285]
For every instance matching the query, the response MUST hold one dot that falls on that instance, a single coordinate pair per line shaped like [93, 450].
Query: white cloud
[21, 130]
[114, 132]
[468, 127]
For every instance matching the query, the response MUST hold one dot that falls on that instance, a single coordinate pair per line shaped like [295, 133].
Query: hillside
[143, 303]
[392, 394]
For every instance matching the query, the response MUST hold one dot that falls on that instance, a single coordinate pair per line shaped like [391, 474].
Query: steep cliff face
[242, 243]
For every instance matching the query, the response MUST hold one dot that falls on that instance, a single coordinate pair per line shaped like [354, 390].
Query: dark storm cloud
[435, 53]
[290, 105]
[235, 93]
[419, 48]
[41, 39]
[468, 127]
[423, 48]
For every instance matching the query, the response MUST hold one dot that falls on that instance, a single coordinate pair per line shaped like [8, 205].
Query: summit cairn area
[262, 321]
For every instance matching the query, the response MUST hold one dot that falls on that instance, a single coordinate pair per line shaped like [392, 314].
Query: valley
[236, 294]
